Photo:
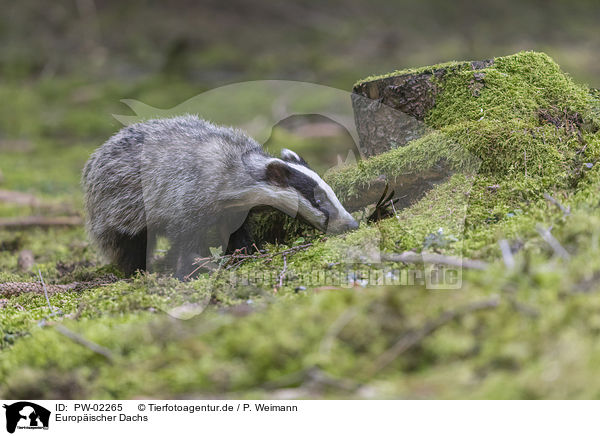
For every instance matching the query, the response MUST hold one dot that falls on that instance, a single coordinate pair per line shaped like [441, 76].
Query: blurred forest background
[335, 42]
[65, 66]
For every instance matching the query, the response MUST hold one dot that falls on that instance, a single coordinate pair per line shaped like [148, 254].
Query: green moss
[515, 87]
[419, 70]
[500, 352]
[529, 131]
[275, 227]
[421, 155]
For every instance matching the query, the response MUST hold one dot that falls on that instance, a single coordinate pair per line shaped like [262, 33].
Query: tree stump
[390, 111]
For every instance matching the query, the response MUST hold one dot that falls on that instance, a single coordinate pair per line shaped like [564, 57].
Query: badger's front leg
[185, 249]
[235, 236]
[185, 265]
[240, 239]
[234, 231]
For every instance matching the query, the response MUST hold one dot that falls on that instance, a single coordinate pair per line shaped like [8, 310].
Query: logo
[26, 415]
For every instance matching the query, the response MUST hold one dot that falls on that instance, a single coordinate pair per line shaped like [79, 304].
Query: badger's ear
[277, 173]
[290, 156]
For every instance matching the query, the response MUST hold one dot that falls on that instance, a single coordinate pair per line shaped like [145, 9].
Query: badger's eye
[319, 198]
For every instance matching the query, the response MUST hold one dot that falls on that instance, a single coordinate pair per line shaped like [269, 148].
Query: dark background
[332, 42]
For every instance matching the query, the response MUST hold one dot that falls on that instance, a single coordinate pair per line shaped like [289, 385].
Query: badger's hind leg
[130, 252]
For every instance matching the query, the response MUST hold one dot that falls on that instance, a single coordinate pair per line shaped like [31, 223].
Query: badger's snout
[345, 224]
[352, 225]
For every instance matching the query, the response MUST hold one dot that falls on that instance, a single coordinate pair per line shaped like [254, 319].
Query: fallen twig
[30, 200]
[70, 334]
[507, 255]
[311, 379]
[19, 198]
[433, 258]
[75, 337]
[205, 263]
[282, 275]
[46, 292]
[410, 339]
[40, 221]
[12, 289]
[553, 242]
[335, 329]
[525, 309]
[565, 210]
[237, 257]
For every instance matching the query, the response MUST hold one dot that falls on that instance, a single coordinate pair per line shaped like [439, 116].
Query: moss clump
[426, 154]
[515, 87]
[271, 226]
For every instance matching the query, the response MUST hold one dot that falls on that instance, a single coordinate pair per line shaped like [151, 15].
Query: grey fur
[186, 179]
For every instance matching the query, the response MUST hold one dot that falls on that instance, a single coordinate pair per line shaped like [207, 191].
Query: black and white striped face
[317, 203]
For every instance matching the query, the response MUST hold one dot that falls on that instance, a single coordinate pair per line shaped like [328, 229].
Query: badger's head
[298, 189]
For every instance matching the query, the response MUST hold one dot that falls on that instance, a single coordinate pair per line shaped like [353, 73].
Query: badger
[194, 183]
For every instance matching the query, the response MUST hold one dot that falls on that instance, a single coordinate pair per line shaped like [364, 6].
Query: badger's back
[159, 173]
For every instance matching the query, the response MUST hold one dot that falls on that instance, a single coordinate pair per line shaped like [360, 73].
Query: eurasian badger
[187, 179]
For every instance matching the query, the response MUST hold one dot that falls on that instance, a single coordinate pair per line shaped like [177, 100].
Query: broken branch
[433, 258]
[12, 289]
[40, 221]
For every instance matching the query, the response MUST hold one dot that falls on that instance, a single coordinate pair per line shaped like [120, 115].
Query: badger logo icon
[26, 415]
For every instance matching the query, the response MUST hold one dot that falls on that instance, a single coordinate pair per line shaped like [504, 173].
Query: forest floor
[318, 316]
